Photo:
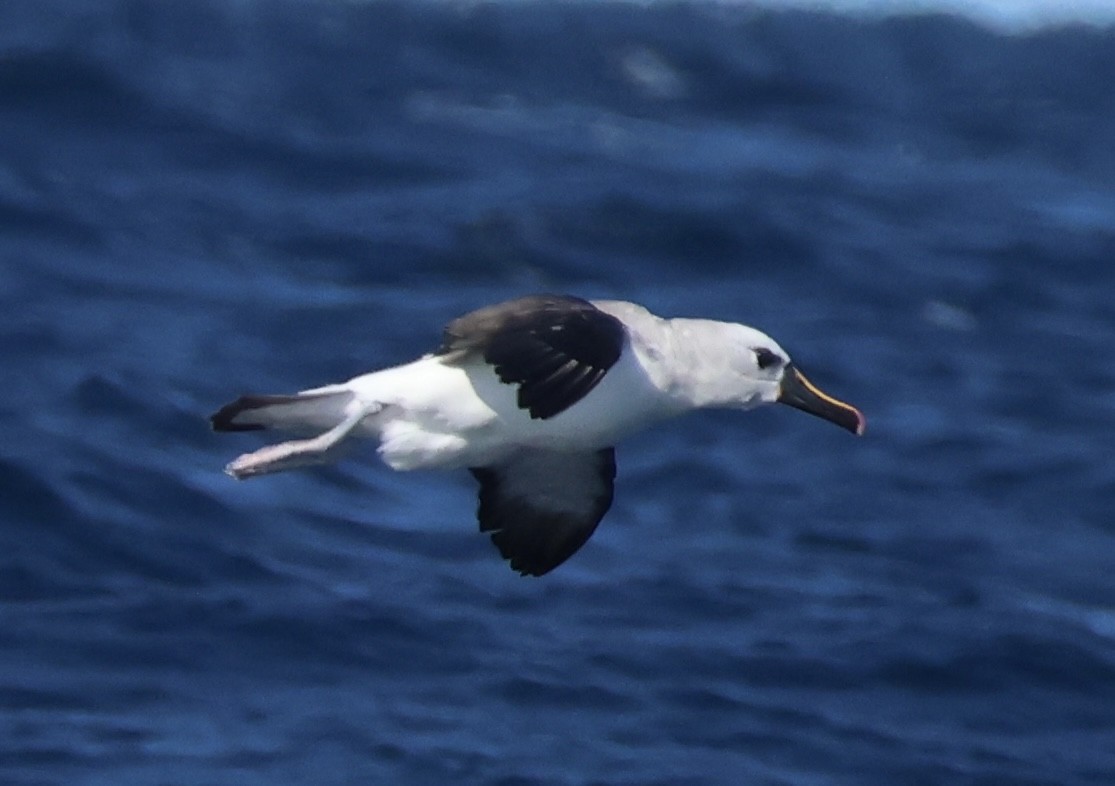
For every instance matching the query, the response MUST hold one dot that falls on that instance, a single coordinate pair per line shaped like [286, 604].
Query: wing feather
[555, 348]
[542, 506]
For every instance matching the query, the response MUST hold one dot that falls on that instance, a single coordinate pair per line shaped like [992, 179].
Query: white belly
[438, 415]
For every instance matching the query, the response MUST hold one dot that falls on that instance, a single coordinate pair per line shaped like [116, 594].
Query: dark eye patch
[767, 358]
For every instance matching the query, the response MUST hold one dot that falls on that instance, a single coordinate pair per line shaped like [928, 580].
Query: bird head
[764, 373]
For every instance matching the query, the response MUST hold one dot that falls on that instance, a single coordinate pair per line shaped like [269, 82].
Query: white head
[736, 366]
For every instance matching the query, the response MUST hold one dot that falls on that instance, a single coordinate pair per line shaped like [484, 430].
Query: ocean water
[206, 198]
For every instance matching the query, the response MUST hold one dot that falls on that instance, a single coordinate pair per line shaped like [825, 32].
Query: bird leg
[297, 452]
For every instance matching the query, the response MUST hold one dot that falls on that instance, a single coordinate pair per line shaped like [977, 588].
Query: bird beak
[800, 393]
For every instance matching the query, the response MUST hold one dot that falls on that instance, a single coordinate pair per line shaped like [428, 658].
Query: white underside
[431, 413]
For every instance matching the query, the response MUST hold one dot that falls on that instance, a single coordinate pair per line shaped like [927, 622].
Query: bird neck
[691, 370]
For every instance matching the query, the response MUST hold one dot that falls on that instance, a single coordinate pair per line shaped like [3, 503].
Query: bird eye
[767, 358]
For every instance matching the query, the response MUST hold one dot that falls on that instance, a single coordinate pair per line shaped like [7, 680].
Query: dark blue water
[206, 198]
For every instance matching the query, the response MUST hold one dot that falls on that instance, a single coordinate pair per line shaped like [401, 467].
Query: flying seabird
[532, 395]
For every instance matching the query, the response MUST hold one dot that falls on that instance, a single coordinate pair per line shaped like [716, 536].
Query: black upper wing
[540, 507]
[556, 348]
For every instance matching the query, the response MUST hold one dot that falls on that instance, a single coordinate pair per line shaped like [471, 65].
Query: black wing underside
[555, 348]
[540, 507]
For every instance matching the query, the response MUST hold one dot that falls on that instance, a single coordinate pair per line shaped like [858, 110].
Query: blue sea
[206, 198]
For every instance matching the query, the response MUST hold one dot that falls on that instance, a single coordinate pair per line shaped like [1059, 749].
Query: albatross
[531, 396]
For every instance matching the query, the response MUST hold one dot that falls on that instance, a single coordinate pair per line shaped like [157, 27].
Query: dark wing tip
[528, 552]
[536, 533]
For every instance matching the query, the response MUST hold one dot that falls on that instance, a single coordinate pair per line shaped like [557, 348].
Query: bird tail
[308, 412]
